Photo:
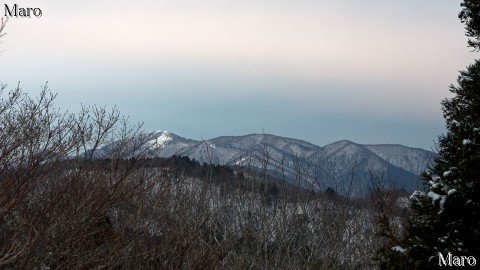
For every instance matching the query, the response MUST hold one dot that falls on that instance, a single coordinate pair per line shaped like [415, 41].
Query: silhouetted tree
[470, 16]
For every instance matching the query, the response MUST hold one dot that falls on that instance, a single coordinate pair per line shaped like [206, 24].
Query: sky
[368, 71]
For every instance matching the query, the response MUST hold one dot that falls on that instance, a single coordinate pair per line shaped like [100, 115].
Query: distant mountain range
[345, 166]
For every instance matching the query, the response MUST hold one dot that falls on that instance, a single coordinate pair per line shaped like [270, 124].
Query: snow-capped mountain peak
[162, 138]
[330, 166]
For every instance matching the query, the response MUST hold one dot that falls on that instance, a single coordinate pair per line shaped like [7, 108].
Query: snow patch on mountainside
[415, 160]
[160, 141]
[318, 167]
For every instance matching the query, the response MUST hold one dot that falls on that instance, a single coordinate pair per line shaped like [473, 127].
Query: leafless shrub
[3, 22]
[76, 193]
[52, 208]
[388, 212]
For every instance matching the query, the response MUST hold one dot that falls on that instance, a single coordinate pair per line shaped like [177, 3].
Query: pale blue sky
[369, 71]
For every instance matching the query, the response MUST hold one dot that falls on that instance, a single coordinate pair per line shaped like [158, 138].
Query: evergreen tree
[445, 217]
[470, 16]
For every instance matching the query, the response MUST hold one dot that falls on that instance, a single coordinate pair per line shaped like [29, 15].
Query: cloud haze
[368, 71]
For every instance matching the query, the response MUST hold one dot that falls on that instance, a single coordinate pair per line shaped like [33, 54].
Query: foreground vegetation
[61, 208]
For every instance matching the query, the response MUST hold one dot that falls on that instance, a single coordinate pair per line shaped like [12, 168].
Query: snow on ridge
[415, 160]
[161, 140]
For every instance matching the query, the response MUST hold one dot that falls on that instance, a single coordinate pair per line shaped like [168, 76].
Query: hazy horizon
[372, 72]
